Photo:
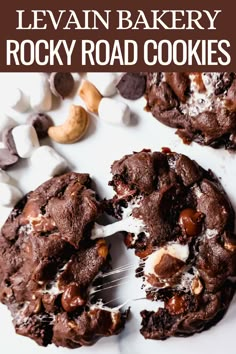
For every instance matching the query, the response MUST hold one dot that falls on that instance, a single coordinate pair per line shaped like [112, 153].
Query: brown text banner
[117, 36]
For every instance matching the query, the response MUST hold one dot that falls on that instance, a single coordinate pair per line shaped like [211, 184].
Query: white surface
[95, 153]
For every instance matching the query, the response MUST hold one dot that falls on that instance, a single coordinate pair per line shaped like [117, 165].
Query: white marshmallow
[104, 82]
[4, 177]
[41, 96]
[26, 140]
[130, 224]
[9, 195]
[48, 161]
[114, 112]
[5, 122]
[17, 100]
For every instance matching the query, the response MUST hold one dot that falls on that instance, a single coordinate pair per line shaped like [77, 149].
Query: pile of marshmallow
[44, 159]
[23, 140]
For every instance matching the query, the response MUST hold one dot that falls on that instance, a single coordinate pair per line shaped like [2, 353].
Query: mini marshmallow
[104, 82]
[41, 96]
[17, 100]
[26, 140]
[114, 112]
[4, 177]
[9, 195]
[48, 161]
[5, 123]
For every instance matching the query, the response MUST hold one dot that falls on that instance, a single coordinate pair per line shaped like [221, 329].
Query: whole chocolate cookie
[48, 263]
[181, 224]
[202, 106]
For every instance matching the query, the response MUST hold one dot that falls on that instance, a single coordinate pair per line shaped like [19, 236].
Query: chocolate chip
[7, 159]
[132, 86]
[41, 122]
[61, 84]
[191, 221]
[176, 305]
[168, 266]
[8, 141]
[72, 299]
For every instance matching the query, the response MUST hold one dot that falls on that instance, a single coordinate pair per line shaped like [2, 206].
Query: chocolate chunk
[8, 141]
[176, 305]
[191, 221]
[168, 266]
[61, 84]
[132, 86]
[7, 159]
[72, 298]
[41, 123]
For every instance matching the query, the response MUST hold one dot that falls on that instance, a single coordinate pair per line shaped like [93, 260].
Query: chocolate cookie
[181, 224]
[48, 263]
[202, 106]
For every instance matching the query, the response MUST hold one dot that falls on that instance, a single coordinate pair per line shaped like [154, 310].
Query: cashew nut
[90, 95]
[74, 127]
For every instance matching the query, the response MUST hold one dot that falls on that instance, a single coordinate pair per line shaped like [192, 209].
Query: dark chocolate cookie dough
[202, 106]
[48, 263]
[181, 225]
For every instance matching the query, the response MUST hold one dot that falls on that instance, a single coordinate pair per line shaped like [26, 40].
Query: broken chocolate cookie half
[48, 264]
[202, 106]
[180, 223]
